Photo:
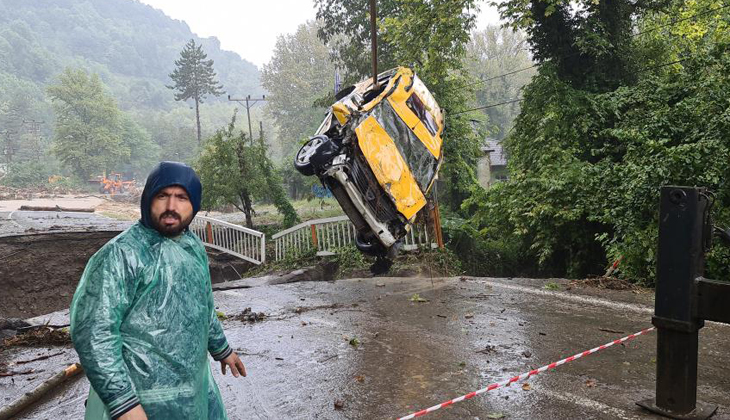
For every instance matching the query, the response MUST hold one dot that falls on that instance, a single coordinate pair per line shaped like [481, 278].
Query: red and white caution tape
[524, 375]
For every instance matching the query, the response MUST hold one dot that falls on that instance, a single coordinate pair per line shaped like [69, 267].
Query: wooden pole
[374, 41]
[29, 398]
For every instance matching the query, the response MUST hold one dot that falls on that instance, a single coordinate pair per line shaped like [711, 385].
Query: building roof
[496, 152]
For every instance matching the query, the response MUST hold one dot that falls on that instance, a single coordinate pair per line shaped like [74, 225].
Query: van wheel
[371, 247]
[303, 159]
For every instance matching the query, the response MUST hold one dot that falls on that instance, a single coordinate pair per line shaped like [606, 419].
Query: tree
[88, 137]
[300, 72]
[430, 37]
[589, 153]
[194, 78]
[144, 153]
[495, 51]
[235, 173]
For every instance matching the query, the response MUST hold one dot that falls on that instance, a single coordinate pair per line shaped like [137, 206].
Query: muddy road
[381, 348]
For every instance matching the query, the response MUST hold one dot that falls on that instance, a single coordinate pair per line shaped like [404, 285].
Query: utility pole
[34, 129]
[250, 102]
[374, 41]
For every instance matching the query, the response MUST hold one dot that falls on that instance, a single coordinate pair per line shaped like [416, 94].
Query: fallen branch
[48, 356]
[29, 398]
[21, 372]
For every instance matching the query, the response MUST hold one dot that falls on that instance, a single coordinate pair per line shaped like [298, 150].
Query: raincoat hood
[167, 174]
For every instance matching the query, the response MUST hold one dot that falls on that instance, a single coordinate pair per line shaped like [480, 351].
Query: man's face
[171, 211]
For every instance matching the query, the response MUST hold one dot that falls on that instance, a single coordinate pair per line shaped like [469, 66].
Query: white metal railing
[326, 235]
[236, 240]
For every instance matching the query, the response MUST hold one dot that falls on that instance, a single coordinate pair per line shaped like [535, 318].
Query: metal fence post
[680, 262]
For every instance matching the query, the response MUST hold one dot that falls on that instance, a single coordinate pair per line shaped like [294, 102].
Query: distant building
[492, 166]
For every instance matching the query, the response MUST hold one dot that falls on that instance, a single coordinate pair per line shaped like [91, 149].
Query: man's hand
[235, 363]
[137, 413]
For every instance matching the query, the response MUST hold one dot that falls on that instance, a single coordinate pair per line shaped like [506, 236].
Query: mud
[361, 349]
[39, 273]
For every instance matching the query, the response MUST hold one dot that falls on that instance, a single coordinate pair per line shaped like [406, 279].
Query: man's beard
[174, 230]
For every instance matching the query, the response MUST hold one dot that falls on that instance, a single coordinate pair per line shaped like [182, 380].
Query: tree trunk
[246, 199]
[197, 117]
[243, 192]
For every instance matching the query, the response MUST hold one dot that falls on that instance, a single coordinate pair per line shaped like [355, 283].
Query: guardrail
[236, 240]
[326, 235]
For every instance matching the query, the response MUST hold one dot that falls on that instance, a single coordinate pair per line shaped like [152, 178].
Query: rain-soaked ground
[303, 363]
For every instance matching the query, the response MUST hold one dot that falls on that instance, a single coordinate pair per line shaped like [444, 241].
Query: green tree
[233, 172]
[194, 78]
[430, 37]
[492, 52]
[588, 156]
[88, 137]
[300, 72]
[144, 153]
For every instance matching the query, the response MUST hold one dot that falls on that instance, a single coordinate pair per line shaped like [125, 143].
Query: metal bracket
[702, 411]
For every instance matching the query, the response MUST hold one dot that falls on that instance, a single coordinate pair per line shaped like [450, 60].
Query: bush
[27, 174]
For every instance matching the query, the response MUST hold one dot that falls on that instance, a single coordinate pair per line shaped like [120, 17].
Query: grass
[266, 214]
[552, 286]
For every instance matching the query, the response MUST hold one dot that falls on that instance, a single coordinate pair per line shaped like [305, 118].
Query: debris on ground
[487, 349]
[250, 316]
[417, 298]
[301, 309]
[57, 208]
[9, 327]
[41, 336]
[339, 405]
[610, 283]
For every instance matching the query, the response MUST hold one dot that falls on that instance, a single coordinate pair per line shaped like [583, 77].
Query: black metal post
[680, 261]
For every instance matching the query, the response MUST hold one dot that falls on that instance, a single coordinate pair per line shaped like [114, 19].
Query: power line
[511, 101]
[672, 23]
[250, 102]
[489, 106]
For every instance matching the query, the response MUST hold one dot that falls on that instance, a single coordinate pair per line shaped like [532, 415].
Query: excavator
[115, 184]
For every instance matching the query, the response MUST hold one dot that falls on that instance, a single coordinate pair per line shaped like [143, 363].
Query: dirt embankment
[39, 273]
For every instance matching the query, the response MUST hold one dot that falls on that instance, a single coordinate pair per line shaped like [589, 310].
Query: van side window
[416, 105]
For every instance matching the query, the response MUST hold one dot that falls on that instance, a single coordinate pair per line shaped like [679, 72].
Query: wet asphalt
[380, 348]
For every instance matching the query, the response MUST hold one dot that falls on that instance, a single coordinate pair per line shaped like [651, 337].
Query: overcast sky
[250, 27]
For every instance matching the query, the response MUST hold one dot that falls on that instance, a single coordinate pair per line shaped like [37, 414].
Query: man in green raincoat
[142, 318]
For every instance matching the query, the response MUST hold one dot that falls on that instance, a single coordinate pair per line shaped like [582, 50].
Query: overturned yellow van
[378, 150]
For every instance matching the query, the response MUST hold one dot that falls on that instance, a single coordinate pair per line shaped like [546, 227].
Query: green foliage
[39, 39]
[194, 78]
[428, 36]
[587, 41]
[88, 136]
[27, 174]
[144, 153]
[349, 259]
[491, 52]
[493, 255]
[551, 285]
[587, 162]
[274, 189]
[300, 72]
[235, 172]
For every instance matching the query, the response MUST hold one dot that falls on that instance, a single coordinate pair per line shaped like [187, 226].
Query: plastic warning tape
[524, 375]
